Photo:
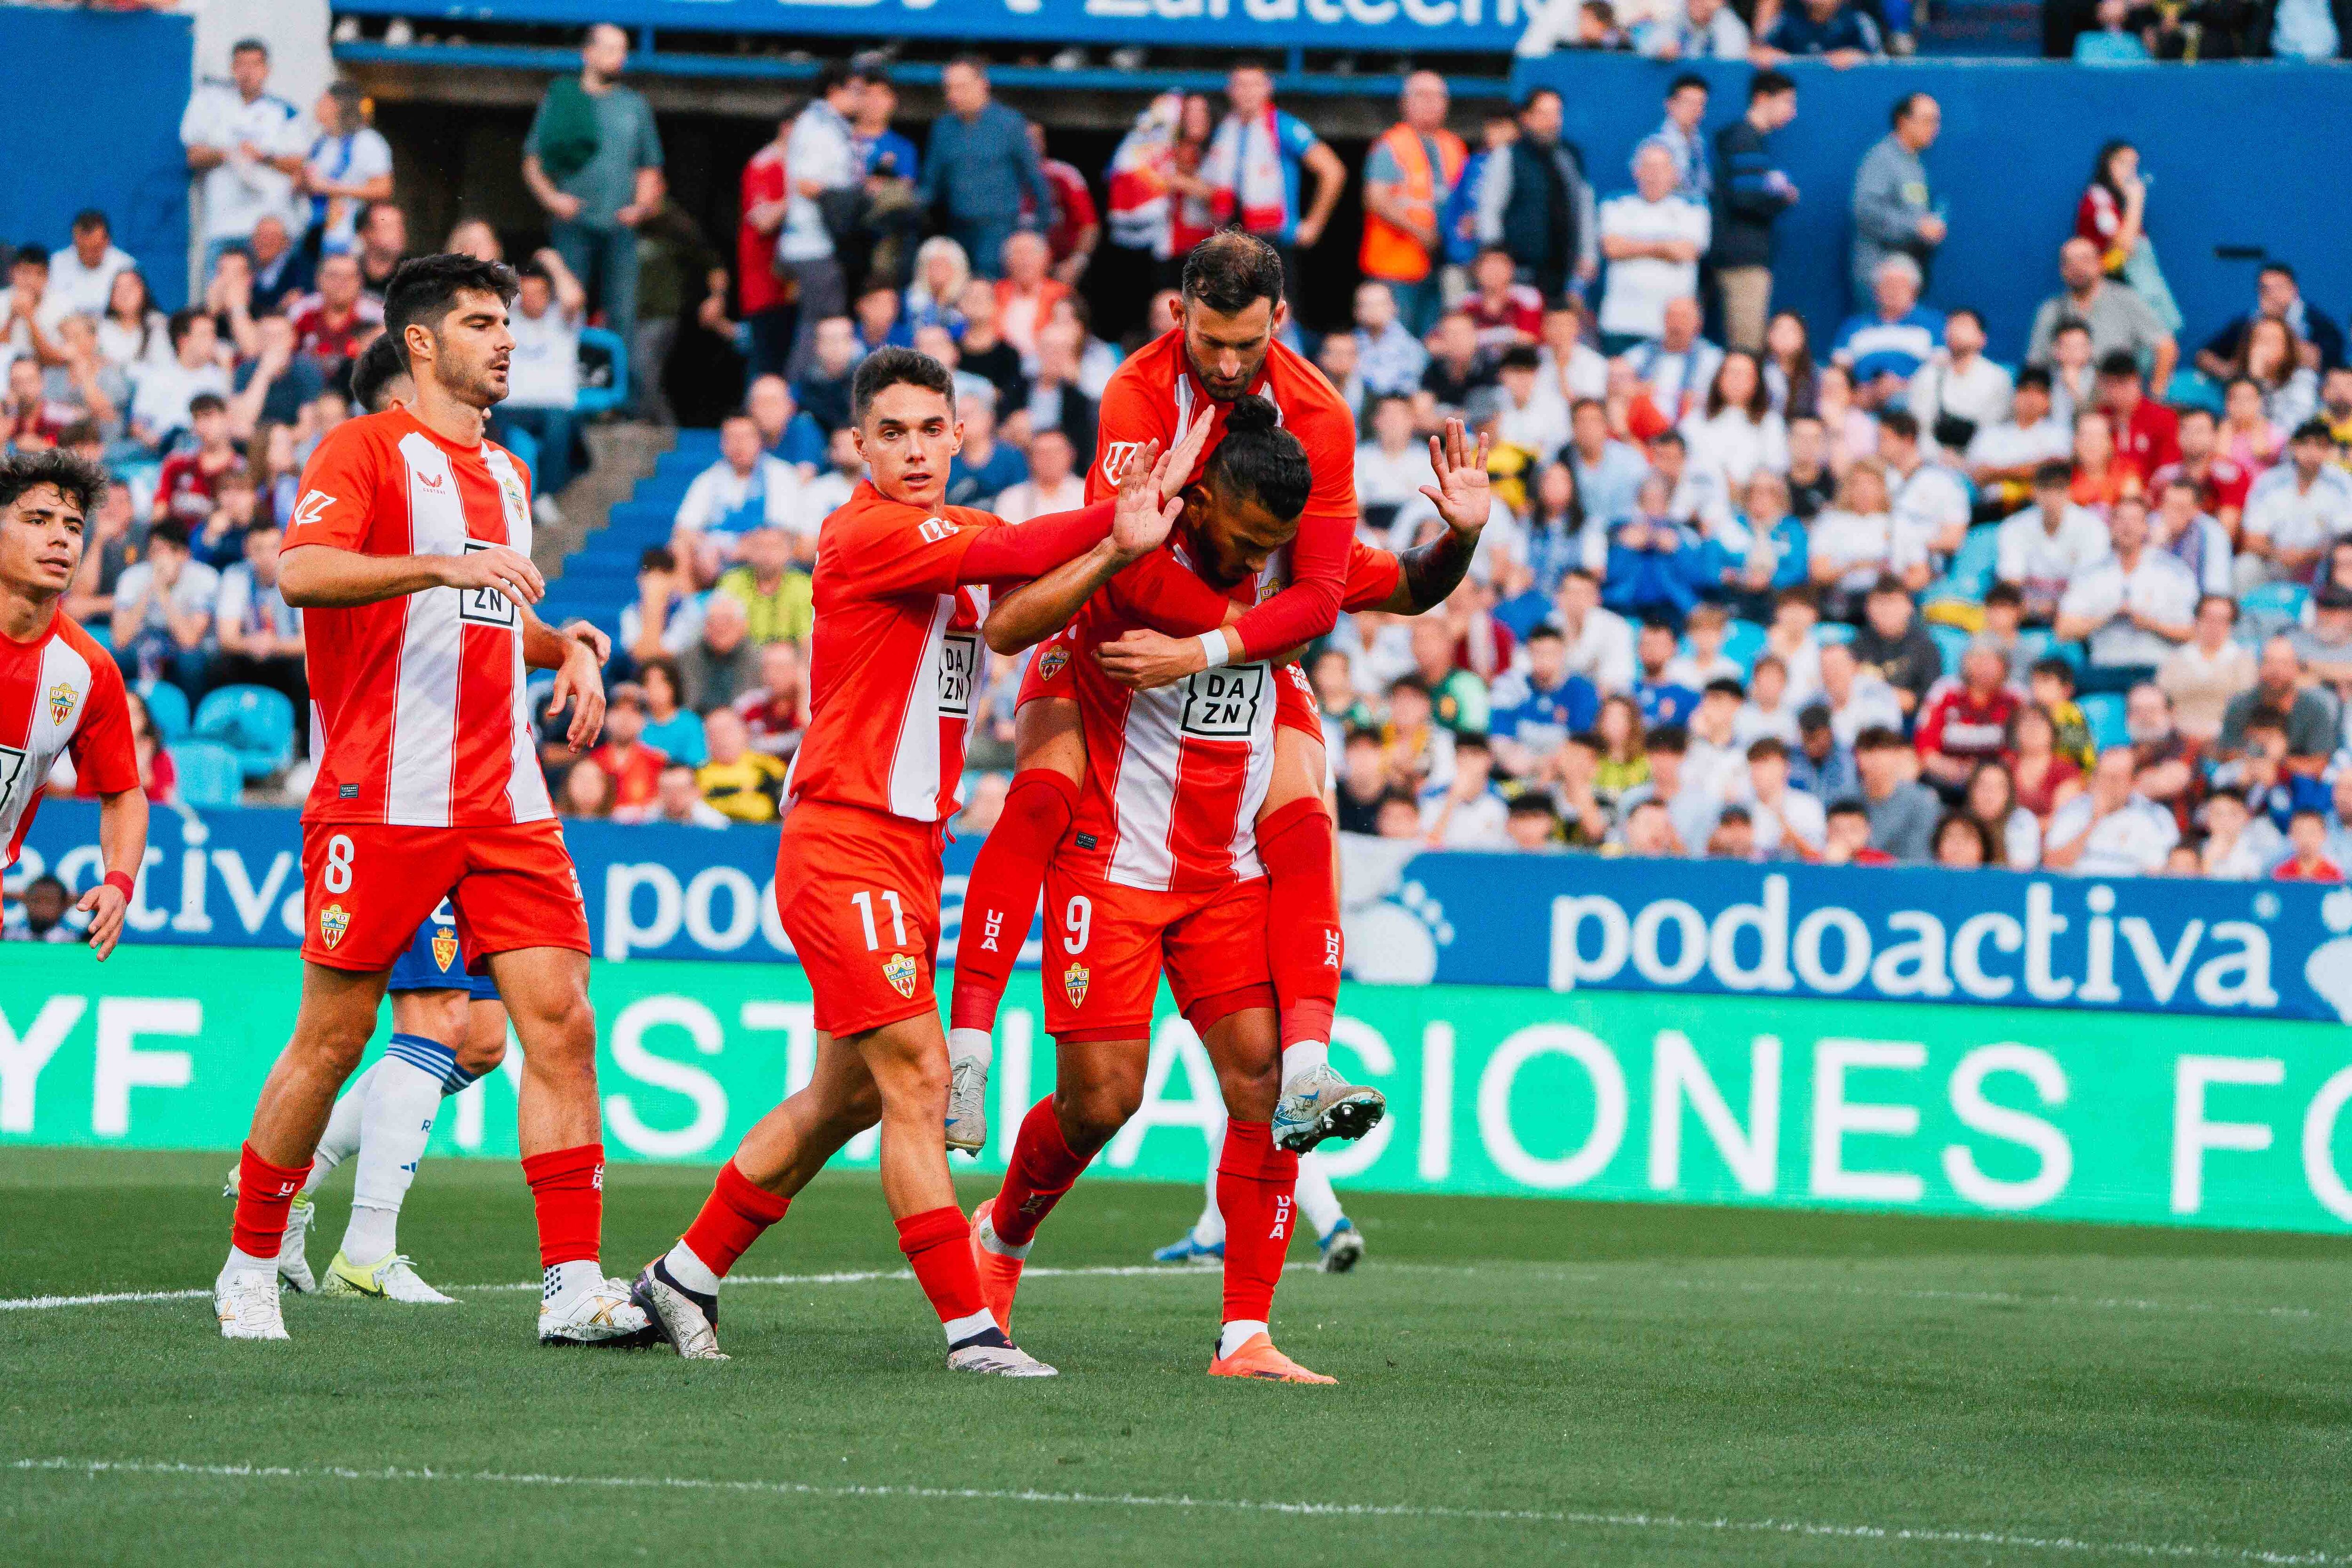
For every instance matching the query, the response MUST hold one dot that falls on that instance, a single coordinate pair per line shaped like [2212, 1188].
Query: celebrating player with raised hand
[409, 555]
[901, 586]
[59, 691]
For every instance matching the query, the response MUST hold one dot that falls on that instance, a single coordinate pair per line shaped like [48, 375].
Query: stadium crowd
[1753, 587]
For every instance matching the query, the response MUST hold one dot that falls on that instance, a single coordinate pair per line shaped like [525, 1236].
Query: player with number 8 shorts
[900, 588]
[409, 555]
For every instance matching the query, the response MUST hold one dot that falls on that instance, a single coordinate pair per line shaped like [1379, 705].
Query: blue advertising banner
[1463, 25]
[1561, 922]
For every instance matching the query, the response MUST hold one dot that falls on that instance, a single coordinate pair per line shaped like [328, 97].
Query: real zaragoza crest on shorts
[444, 948]
[61, 701]
[1074, 981]
[334, 921]
[898, 969]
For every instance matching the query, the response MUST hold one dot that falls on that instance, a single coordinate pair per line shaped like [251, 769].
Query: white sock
[1316, 1199]
[690, 1271]
[1238, 1334]
[370, 1235]
[1210, 1228]
[340, 1141]
[1306, 1056]
[962, 1329]
[971, 1045]
[563, 1281]
[242, 1262]
[403, 1099]
[992, 1242]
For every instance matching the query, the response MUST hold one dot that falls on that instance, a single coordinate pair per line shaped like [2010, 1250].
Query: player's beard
[1226, 391]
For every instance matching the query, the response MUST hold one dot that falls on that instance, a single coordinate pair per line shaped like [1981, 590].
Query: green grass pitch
[1520, 1381]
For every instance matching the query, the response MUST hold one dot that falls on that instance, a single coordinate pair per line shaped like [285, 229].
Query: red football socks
[1253, 1182]
[264, 1193]
[568, 1187]
[1041, 1170]
[938, 1245]
[732, 1218]
[1301, 853]
[1001, 897]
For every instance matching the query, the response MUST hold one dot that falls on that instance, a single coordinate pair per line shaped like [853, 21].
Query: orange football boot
[1259, 1358]
[1000, 1274]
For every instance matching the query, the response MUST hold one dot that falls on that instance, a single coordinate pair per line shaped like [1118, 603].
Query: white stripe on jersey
[425, 719]
[24, 774]
[1143, 794]
[1200, 717]
[946, 682]
[527, 793]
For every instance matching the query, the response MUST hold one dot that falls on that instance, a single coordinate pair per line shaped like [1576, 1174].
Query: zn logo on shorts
[486, 607]
[1223, 704]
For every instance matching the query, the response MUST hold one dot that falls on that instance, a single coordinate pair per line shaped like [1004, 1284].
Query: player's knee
[851, 1112]
[484, 1046]
[1091, 1114]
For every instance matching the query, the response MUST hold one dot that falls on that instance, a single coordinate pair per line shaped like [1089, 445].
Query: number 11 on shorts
[864, 902]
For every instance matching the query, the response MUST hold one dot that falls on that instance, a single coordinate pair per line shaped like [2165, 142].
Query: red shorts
[1048, 675]
[859, 894]
[367, 886]
[1106, 945]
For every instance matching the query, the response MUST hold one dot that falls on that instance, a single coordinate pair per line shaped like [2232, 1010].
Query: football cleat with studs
[1257, 1358]
[688, 1319]
[390, 1278]
[1320, 1104]
[600, 1315]
[246, 1305]
[968, 1105]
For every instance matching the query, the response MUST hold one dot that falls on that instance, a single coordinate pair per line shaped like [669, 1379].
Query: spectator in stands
[1752, 192]
[941, 272]
[741, 784]
[260, 636]
[1409, 172]
[1708, 30]
[1788, 638]
[108, 547]
[875, 316]
[585, 791]
[1504, 314]
[2305, 716]
[1052, 485]
[1673, 370]
[1737, 435]
[1536, 709]
[1895, 211]
[981, 164]
[822, 390]
[28, 317]
[1811, 482]
[822, 162]
[1654, 239]
[1884, 350]
[220, 542]
[163, 609]
[186, 486]
[2278, 298]
[1608, 470]
[2135, 607]
[348, 167]
[1965, 722]
[830, 490]
[2014, 832]
[2196, 539]
[1691, 811]
[985, 467]
[1389, 357]
[2169, 766]
[762, 291]
[132, 334]
[1960, 393]
[1533, 200]
[383, 246]
[334, 324]
[745, 489]
[1853, 543]
[1077, 228]
[1653, 559]
[2147, 433]
[1823, 766]
[2004, 458]
[543, 375]
[44, 902]
[2113, 216]
[1830, 29]
[593, 161]
[1927, 504]
[677, 799]
[1902, 811]
[2339, 819]
[1768, 710]
[1390, 468]
[982, 350]
[1055, 402]
[2265, 771]
[1686, 97]
[1257, 166]
[1026, 295]
[1857, 699]
[786, 430]
[773, 588]
[81, 276]
[721, 662]
[1456, 373]
[2325, 646]
[1790, 823]
[1892, 643]
[160, 408]
[2044, 547]
[2119, 320]
[2307, 859]
[670, 728]
[248, 146]
[1466, 812]
[2295, 511]
[1663, 699]
[776, 711]
[632, 768]
[1599, 641]
[276, 383]
[2203, 674]
[1572, 366]
[2110, 829]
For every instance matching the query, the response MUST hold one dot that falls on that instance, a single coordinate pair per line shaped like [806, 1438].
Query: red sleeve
[1159, 593]
[103, 755]
[1128, 416]
[338, 484]
[1081, 203]
[1003, 554]
[1318, 557]
[1929, 737]
[1373, 577]
[885, 550]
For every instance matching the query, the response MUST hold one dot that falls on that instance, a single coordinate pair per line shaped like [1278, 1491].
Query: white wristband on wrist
[1214, 648]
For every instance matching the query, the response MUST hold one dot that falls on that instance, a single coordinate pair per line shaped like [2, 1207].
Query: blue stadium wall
[2244, 155]
[91, 117]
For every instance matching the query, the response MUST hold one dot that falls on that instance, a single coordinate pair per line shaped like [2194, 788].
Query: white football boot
[293, 1267]
[967, 1104]
[1319, 1104]
[1007, 1360]
[602, 1314]
[246, 1305]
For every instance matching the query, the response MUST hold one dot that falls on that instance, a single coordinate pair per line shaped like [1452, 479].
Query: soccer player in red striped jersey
[1166, 866]
[902, 584]
[410, 558]
[59, 691]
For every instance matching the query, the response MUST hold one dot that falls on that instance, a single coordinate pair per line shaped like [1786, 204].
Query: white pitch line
[1892, 1534]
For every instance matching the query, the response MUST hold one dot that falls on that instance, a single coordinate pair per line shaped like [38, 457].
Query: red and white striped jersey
[419, 701]
[1174, 776]
[60, 692]
[896, 659]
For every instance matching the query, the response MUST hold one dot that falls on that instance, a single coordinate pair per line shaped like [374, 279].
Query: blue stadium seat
[1743, 644]
[167, 705]
[254, 723]
[2193, 389]
[209, 774]
[523, 445]
[2273, 606]
[1829, 632]
[602, 389]
[2104, 711]
[1951, 642]
[1970, 574]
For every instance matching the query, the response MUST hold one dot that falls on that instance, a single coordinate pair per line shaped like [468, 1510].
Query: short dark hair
[1725, 686]
[1899, 422]
[89, 218]
[1544, 631]
[1849, 806]
[1667, 738]
[1970, 312]
[1670, 437]
[378, 364]
[423, 289]
[1878, 738]
[2054, 666]
[833, 74]
[2004, 593]
[1521, 357]
[181, 323]
[207, 403]
[2313, 429]
[2056, 474]
[1770, 84]
[1765, 746]
[1529, 803]
[169, 531]
[1687, 79]
[249, 45]
[2275, 265]
[2034, 376]
[2120, 363]
[1903, 107]
[79, 482]
[1475, 740]
[891, 366]
[1260, 459]
[2228, 599]
[656, 558]
[2266, 717]
[1533, 93]
[1231, 270]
